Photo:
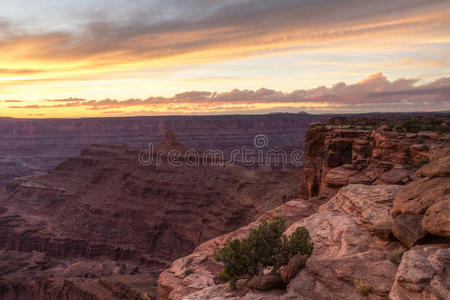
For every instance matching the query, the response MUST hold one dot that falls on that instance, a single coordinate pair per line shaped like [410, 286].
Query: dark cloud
[374, 90]
[168, 28]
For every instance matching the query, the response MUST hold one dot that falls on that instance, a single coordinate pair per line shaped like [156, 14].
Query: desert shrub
[264, 246]
[363, 288]
[395, 256]
[188, 272]
[412, 126]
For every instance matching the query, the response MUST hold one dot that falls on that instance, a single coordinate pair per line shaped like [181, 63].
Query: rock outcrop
[371, 205]
[345, 253]
[351, 257]
[203, 281]
[423, 274]
[358, 150]
[427, 201]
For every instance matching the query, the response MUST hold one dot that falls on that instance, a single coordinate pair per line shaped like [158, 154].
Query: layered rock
[423, 274]
[31, 275]
[346, 251]
[424, 205]
[203, 282]
[358, 150]
[104, 204]
[371, 205]
[38, 145]
[345, 254]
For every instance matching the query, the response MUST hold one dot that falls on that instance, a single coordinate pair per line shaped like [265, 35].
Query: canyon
[102, 225]
[30, 146]
[103, 216]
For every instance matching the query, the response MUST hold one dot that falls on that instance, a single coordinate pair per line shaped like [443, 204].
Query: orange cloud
[376, 89]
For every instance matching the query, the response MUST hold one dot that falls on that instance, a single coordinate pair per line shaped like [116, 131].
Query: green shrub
[363, 288]
[264, 246]
[395, 256]
[188, 272]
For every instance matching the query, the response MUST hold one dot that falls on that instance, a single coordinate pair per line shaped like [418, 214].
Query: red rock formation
[173, 283]
[338, 154]
[104, 204]
[30, 145]
[355, 251]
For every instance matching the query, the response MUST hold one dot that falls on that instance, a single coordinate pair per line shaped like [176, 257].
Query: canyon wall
[112, 221]
[28, 146]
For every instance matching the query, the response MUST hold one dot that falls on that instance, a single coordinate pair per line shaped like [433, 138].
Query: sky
[103, 58]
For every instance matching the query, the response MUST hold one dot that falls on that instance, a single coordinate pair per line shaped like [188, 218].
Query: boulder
[296, 263]
[339, 176]
[369, 204]
[408, 229]
[437, 218]
[359, 178]
[266, 282]
[437, 168]
[396, 176]
[423, 274]
[344, 253]
[416, 197]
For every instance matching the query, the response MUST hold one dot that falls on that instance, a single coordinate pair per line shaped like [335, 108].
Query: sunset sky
[76, 58]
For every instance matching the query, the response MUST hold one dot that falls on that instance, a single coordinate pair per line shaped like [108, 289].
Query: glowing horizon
[115, 58]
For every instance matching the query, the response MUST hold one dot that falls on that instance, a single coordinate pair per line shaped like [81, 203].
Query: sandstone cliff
[372, 150]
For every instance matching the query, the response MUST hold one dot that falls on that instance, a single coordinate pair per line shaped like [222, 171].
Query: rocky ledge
[368, 151]
[359, 251]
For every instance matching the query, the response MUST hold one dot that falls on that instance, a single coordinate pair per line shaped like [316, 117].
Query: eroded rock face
[437, 219]
[408, 229]
[423, 274]
[345, 254]
[203, 281]
[38, 145]
[354, 150]
[428, 197]
[370, 205]
[32, 275]
[103, 203]
[418, 196]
